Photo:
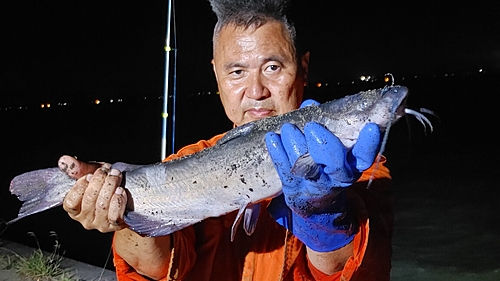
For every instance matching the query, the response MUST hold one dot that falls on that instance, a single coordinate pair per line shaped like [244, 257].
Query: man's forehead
[234, 38]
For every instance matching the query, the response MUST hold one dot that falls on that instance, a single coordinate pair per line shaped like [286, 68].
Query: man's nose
[256, 88]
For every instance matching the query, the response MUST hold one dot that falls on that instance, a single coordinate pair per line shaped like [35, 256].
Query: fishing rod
[165, 115]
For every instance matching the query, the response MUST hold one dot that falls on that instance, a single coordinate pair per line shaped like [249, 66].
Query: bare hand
[96, 200]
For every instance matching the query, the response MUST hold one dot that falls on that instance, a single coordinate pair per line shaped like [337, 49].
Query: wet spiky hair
[248, 13]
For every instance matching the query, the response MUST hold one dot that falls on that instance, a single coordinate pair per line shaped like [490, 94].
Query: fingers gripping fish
[235, 174]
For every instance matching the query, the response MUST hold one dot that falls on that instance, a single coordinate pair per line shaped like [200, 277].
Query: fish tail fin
[40, 190]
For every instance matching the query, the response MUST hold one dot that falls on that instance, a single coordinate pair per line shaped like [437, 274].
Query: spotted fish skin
[235, 174]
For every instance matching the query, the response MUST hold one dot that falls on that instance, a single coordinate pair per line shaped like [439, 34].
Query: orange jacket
[204, 251]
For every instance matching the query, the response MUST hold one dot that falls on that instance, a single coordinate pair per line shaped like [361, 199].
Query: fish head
[384, 106]
[346, 117]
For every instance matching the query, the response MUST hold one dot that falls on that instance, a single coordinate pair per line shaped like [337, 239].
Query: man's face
[257, 73]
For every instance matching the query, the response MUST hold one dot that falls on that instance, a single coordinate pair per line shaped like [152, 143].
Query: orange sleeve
[183, 253]
[193, 148]
[378, 171]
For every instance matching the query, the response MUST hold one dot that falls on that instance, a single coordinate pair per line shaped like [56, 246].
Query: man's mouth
[259, 112]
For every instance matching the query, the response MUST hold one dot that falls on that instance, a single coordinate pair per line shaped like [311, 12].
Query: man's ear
[304, 63]
[213, 67]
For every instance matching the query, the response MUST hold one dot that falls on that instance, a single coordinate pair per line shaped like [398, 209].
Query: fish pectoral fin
[244, 205]
[250, 218]
[306, 167]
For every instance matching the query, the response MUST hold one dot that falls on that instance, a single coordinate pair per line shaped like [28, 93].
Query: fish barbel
[235, 174]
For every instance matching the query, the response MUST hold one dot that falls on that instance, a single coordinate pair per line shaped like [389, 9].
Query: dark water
[445, 185]
[445, 193]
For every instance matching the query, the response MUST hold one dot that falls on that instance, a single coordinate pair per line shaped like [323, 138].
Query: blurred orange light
[97, 101]
[318, 84]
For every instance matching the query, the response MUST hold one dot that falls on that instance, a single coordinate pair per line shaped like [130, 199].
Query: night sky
[107, 48]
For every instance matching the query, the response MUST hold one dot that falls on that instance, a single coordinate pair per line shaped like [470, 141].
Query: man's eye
[237, 72]
[273, 68]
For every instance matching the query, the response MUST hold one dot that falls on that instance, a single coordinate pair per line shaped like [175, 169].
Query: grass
[38, 265]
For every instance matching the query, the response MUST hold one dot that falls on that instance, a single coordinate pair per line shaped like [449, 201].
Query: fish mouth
[400, 108]
[398, 95]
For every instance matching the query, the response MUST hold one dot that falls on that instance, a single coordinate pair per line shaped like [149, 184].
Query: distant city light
[386, 78]
[365, 78]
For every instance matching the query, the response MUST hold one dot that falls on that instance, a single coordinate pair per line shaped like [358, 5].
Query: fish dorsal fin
[306, 167]
[236, 132]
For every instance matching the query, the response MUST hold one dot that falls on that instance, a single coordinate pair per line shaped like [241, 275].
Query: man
[311, 232]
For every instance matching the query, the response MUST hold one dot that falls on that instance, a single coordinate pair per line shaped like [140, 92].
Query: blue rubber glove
[314, 206]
